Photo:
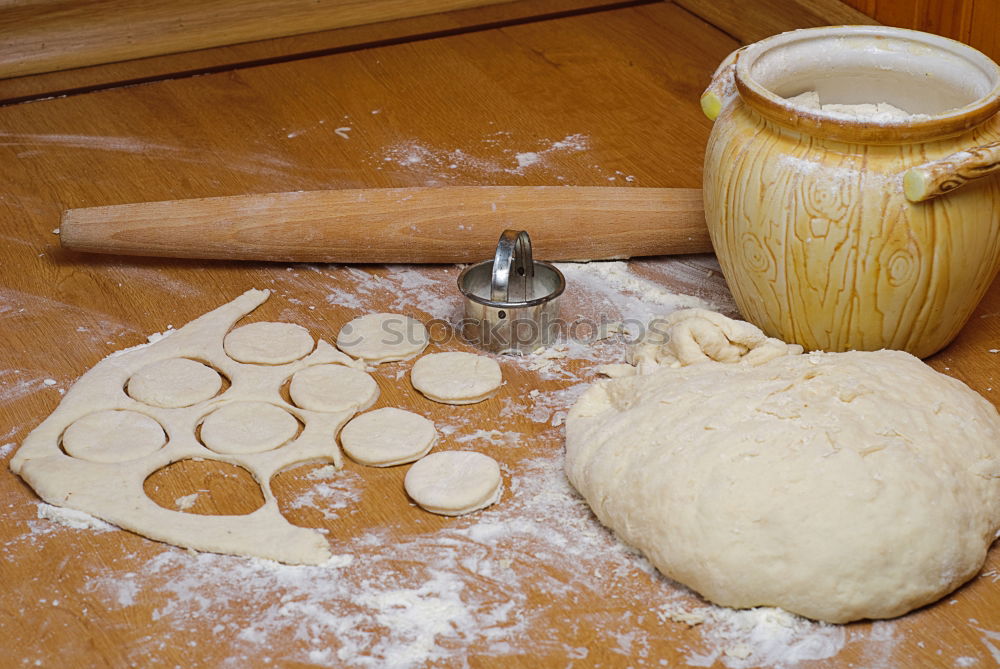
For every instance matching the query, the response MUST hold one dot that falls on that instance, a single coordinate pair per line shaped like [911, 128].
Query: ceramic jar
[836, 232]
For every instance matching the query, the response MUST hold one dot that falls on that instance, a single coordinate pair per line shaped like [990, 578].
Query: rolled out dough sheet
[112, 488]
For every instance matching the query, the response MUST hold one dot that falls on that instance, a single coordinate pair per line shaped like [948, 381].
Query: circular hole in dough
[268, 343]
[332, 388]
[387, 437]
[452, 483]
[456, 378]
[114, 435]
[379, 338]
[174, 383]
[204, 487]
[248, 427]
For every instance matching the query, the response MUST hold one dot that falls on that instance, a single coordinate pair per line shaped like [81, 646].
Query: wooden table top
[608, 96]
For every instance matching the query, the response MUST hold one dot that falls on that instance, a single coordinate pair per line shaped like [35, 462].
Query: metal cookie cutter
[511, 302]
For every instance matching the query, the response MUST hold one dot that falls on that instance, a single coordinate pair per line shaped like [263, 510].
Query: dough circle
[452, 483]
[387, 437]
[456, 377]
[114, 435]
[268, 343]
[332, 388]
[838, 486]
[174, 383]
[377, 338]
[248, 427]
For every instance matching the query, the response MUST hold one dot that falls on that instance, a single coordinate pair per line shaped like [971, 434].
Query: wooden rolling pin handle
[400, 225]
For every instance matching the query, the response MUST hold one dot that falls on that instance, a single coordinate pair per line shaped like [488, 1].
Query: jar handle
[722, 89]
[938, 177]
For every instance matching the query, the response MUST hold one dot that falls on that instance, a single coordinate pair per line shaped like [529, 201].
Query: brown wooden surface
[51, 35]
[607, 98]
[188, 63]
[753, 21]
[975, 22]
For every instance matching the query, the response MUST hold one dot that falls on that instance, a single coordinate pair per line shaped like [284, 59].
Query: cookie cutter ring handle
[513, 268]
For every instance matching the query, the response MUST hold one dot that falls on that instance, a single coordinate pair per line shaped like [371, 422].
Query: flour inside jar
[868, 111]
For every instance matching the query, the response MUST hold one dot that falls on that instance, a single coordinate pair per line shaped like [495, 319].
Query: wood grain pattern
[625, 84]
[417, 225]
[974, 22]
[983, 32]
[191, 63]
[49, 35]
[753, 21]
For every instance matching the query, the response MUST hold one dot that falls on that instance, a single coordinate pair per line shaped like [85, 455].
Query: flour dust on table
[399, 599]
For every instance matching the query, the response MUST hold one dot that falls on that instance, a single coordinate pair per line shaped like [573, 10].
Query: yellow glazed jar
[840, 233]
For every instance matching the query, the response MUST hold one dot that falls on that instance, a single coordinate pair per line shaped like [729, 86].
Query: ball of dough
[248, 427]
[456, 378]
[377, 338]
[333, 388]
[387, 437]
[113, 436]
[268, 343]
[453, 483]
[838, 486]
[174, 383]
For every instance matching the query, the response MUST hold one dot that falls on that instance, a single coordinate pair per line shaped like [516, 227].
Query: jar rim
[840, 127]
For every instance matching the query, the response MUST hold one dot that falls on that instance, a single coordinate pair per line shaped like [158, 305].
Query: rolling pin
[454, 224]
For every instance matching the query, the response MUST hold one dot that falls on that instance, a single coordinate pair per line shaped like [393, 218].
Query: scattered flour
[333, 491]
[612, 304]
[78, 520]
[344, 298]
[14, 385]
[418, 287]
[492, 437]
[185, 502]
[636, 298]
[991, 639]
[481, 588]
[324, 473]
[756, 637]
[125, 590]
[548, 406]
[440, 164]
[527, 159]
